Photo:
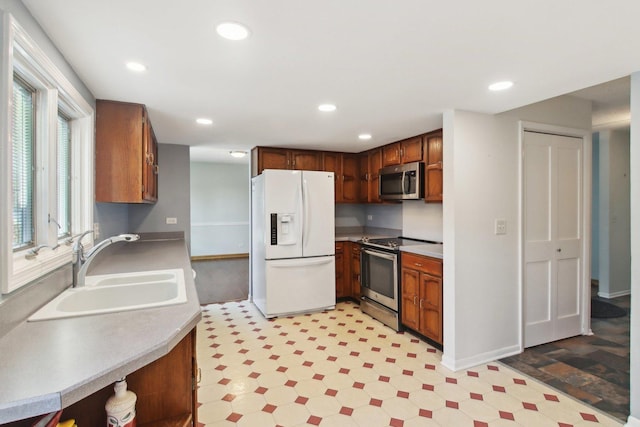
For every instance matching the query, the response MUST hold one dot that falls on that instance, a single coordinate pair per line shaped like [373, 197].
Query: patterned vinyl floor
[342, 368]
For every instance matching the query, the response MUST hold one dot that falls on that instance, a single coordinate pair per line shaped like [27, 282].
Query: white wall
[634, 156]
[481, 270]
[595, 207]
[614, 255]
[173, 195]
[220, 208]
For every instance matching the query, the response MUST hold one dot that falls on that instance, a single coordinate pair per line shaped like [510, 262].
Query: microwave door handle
[404, 184]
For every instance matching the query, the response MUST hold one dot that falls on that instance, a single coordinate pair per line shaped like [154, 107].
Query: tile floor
[594, 369]
[342, 368]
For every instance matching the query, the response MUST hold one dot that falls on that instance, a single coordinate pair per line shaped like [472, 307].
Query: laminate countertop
[430, 250]
[48, 365]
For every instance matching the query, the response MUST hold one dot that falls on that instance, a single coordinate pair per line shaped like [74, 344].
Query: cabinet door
[273, 158]
[355, 271]
[340, 276]
[433, 171]
[332, 162]
[375, 163]
[363, 189]
[431, 307]
[411, 150]
[410, 291]
[350, 178]
[150, 164]
[305, 160]
[391, 154]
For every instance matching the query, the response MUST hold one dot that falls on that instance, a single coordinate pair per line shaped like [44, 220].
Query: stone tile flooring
[342, 368]
[593, 369]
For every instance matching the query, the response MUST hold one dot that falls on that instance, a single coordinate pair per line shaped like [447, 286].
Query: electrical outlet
[501, 226]
[172, 220]
[369, 217]
[96, 230]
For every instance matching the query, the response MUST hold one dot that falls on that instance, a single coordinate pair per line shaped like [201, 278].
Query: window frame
[54, 92]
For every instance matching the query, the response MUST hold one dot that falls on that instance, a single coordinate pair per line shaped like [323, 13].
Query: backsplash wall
[422, 220]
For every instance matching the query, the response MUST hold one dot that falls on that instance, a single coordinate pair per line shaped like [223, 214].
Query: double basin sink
[111, 293]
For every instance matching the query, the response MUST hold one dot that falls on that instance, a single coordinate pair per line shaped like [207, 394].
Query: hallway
[593, 369]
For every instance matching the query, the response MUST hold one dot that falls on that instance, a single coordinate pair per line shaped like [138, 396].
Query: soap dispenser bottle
[121, 407]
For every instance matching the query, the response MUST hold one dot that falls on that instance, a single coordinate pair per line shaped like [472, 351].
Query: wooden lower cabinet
[355, 271]
[421, 291]
[348, 270]
[166, 390]
[341, 271]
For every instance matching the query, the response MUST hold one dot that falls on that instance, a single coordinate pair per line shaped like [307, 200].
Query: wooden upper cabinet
[433, 169]
[281, 158]
[332, 162]
[405, 151]
[363, 190]
[375, 163]
[411, 150]
[391, 154]
[346, 169]
[350, 178]
[126, 154]
[306, 160]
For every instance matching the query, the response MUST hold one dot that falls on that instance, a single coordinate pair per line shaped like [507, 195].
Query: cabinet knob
[417, 264]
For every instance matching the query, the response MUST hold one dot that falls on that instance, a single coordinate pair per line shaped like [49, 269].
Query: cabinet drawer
[423, 264]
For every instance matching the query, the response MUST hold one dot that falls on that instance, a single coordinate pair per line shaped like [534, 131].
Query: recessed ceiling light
[500, 85]
[203, 121]
[238, 154]
[232, 31]
[136, 66]
[364, 136]
[327, 107]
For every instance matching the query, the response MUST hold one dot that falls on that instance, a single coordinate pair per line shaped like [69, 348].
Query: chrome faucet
[81, 261]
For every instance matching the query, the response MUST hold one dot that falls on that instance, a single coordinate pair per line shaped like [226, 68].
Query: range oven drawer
[381, 313]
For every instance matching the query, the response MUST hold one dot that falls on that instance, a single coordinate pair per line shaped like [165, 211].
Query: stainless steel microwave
[402, 182]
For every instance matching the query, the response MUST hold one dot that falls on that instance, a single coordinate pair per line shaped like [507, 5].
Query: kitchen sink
[111, 293]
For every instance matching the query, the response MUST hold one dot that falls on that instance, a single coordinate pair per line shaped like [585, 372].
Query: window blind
[64, 176]
[22, 165]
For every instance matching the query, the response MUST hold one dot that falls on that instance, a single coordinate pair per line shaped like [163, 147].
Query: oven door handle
[390, 257]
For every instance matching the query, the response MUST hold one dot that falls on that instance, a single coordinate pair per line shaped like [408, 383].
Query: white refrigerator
[292, 242]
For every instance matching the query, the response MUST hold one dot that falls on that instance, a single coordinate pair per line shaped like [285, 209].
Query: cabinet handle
[155, 169]
[199, 376]
[415, 300]
[401, 152]
[421, 303]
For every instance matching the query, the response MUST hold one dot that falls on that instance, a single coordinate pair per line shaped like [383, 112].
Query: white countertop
[49, 365]
[430, 250]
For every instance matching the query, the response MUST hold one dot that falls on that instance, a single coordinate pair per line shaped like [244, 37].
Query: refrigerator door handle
[302, 262]
[306, 214]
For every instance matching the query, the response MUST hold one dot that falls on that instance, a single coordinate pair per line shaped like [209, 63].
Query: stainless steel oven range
[380, 278]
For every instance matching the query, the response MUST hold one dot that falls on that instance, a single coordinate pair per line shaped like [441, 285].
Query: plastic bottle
[121, 407]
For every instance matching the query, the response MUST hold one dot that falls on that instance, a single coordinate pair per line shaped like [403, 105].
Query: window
[63, 168]
[46, 161]
[22, 164]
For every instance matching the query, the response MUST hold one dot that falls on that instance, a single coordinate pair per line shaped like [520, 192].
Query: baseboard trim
[614, 294]
[218, 257]
[479, 359]
[632, 422]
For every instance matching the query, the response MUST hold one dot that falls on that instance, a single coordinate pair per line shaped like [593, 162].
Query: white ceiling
[391, 67]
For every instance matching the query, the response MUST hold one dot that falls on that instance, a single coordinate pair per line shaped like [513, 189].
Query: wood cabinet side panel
[119, 152]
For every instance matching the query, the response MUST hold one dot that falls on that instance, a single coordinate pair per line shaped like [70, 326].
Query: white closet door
[552, 237]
